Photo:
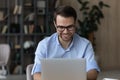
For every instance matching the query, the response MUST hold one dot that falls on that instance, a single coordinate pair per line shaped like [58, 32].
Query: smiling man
[65, 43]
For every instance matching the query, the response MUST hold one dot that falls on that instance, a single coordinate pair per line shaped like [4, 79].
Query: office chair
[28, 72]
[4, 56]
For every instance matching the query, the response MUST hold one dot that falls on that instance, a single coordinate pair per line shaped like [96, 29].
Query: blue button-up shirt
[51, 48]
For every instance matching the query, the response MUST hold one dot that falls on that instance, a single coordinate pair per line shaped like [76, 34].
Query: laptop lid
[63, 69]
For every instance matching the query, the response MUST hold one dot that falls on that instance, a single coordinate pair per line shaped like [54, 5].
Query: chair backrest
[28, 72]
[4, 53]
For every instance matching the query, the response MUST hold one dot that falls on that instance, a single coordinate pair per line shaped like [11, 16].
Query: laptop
[63, 69]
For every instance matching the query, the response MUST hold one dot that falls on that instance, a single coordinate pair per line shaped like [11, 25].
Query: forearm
[37, 76]
[92, 75]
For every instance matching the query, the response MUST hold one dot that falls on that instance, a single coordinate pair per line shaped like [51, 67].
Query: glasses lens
[60, 28]
[71, 27]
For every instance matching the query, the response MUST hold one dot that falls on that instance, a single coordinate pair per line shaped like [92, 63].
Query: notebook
[63, 69]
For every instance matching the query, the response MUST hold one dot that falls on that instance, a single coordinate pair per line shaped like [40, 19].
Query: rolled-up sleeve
[37, 65]
[36, 68]
[92, 65]
[90, 58]
[38, 55]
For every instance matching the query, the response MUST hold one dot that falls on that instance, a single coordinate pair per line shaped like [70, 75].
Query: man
[65, 43]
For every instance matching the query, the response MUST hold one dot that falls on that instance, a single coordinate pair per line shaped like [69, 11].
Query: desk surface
[15, 77]
[103, 74]
[109, 74]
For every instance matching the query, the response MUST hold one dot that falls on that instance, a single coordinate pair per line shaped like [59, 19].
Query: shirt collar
[57, 40]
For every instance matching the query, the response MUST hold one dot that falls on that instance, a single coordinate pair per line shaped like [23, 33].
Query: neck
[65, 44]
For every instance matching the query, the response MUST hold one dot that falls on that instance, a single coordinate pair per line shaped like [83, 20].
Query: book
[4, 30]
[29, 17]
[17, 46]
[42, 28]
[19, 9]
[1, 16]
[31, 28]
[25, 29]
[29, 4]
[16, 9]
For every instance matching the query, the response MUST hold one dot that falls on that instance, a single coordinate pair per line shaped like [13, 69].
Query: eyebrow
[65, 26]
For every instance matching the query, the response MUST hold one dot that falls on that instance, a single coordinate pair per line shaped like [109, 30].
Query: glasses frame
[69, 28]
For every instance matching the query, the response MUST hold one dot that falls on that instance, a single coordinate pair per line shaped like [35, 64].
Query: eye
[70, 26]
[60, 27]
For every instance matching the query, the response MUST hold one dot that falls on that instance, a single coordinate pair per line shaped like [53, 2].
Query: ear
[54, 23]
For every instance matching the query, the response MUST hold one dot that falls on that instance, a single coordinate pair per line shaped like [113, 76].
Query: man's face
[65, 27]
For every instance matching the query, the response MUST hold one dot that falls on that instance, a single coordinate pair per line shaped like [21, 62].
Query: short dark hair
[65, 11]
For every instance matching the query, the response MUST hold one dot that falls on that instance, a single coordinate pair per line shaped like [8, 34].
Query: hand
[37, 76]
[92, 74]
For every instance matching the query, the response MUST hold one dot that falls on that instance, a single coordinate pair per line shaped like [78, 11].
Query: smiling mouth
[65, 34]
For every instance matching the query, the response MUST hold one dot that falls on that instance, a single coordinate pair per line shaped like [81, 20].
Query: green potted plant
[91, 17]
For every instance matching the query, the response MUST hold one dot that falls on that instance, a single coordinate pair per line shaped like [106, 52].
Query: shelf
[40, 18]
[37, 34]
[10, 34]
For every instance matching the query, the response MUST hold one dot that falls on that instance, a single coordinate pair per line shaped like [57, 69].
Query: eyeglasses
[62, 28]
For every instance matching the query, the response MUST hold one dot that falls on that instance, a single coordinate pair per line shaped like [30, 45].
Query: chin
[66, 39]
